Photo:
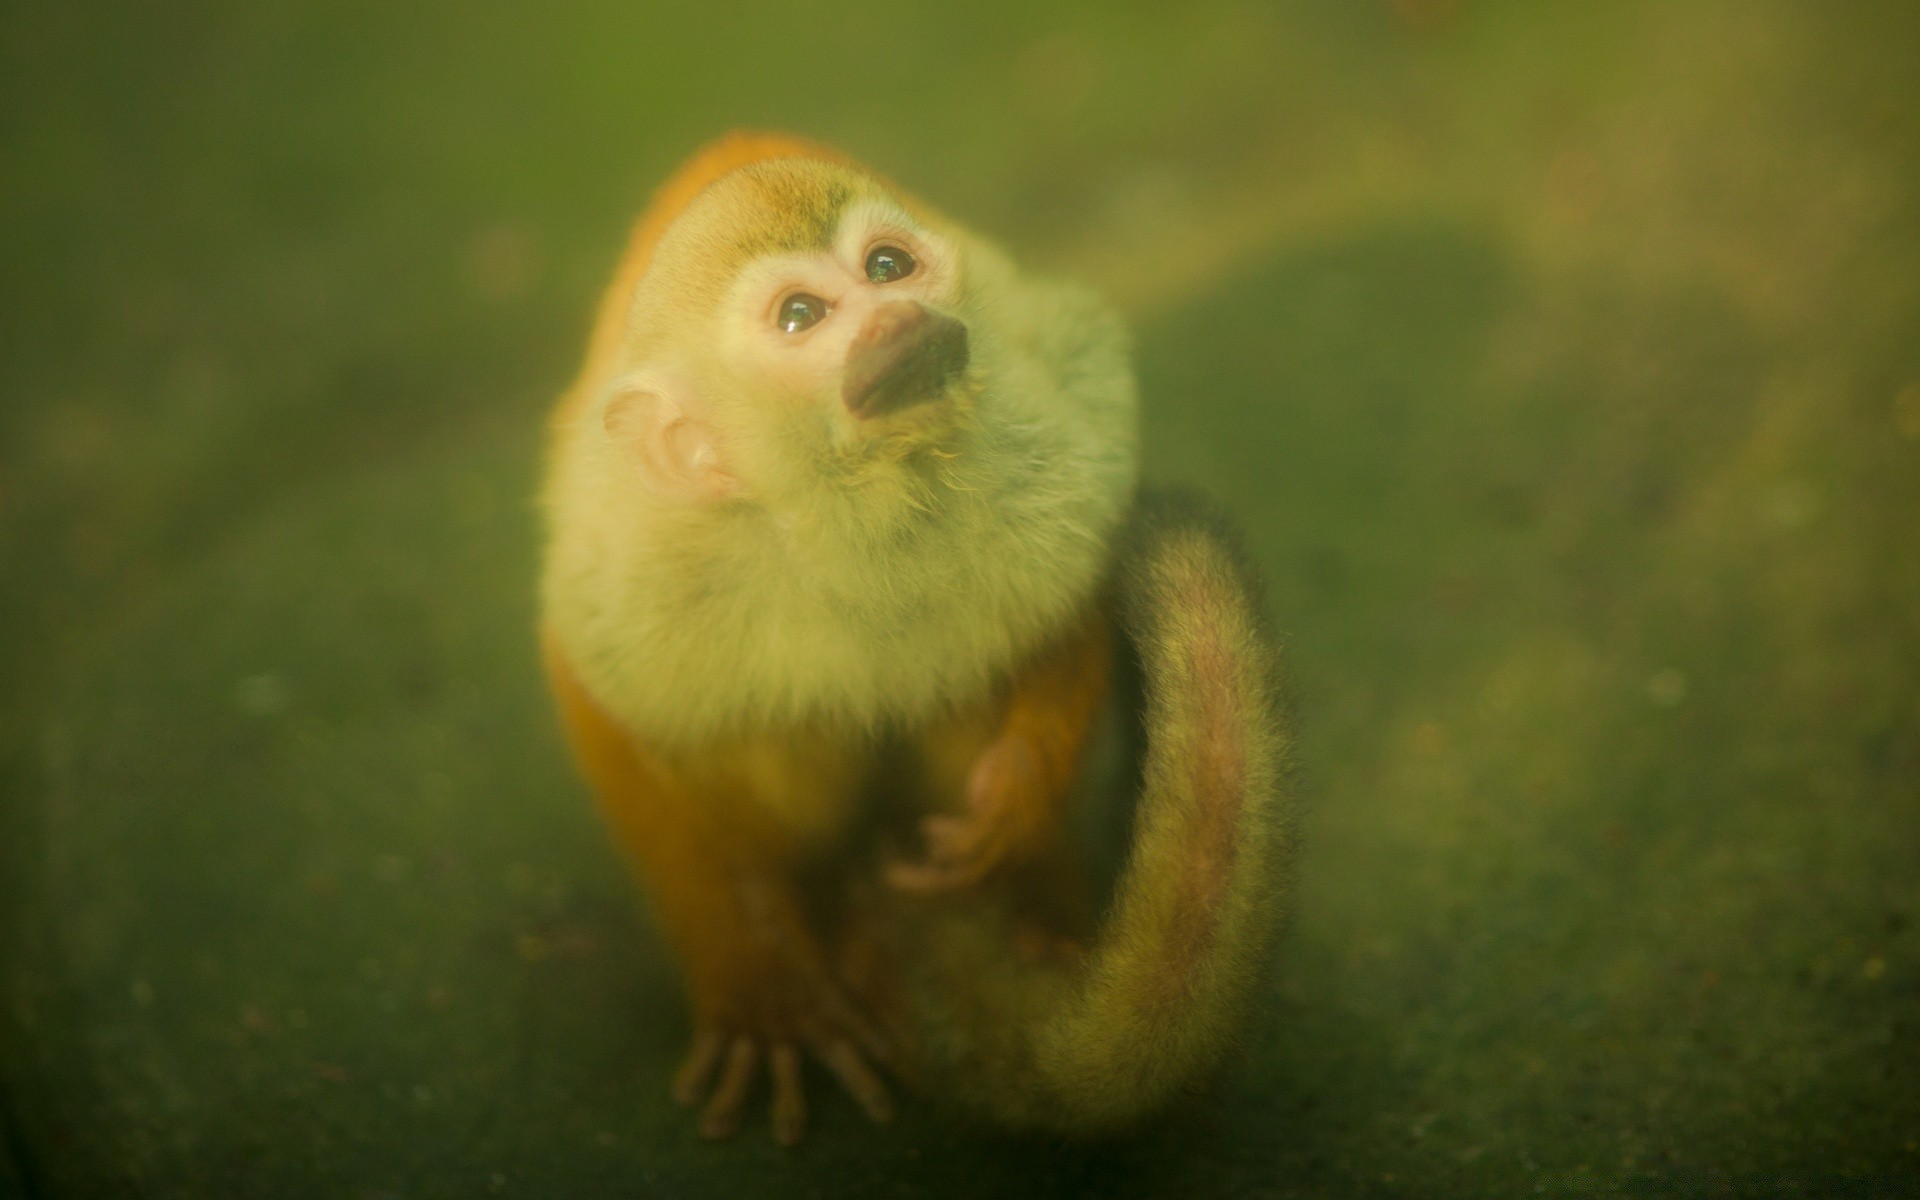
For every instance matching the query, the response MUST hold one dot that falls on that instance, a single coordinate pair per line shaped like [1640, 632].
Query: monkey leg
[715, 863]
[1018, 766]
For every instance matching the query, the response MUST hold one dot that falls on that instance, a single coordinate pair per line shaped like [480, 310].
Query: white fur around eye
[871, 223]
[766, 283]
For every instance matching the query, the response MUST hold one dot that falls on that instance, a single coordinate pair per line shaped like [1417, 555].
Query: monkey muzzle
[905, 355]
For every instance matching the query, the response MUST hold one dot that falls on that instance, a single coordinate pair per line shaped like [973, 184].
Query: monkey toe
[721, 1117]
[860, 1080]
[961, 852]
[690, 1081]
[789, 1100]
[728, 1055]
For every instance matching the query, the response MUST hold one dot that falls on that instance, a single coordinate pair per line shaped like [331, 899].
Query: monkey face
[798, 323]
[870, 326]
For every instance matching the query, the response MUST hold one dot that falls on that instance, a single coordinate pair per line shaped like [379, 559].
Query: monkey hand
[767, 1000]
[1009, 816]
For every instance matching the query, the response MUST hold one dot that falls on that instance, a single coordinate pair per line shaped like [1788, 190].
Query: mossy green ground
[1562, 362]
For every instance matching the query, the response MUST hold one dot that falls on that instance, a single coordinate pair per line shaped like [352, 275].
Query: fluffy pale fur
[754, 600]
[854, 582]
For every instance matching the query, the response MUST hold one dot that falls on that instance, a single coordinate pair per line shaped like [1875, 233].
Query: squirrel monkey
[842, 523]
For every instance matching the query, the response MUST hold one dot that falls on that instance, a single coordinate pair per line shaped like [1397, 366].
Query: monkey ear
[675, 452]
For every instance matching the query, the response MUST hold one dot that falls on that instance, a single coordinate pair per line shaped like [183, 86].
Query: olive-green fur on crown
[778, 206]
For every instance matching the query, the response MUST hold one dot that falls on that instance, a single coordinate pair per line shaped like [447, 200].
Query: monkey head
[821, 421]
[799, 325]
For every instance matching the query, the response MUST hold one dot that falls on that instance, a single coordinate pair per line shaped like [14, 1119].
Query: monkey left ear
[675, 452]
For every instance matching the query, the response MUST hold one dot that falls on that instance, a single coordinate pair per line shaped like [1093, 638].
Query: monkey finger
[952, 843]
[926, 878]
[982, 842]
[789, 1101]
[722, 1114]
[941, 872]
[858, 1078]
[691, 1079]
[920, 877]
[951, 838]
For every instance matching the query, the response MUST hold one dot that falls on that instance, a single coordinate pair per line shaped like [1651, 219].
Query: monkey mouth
[906, 354]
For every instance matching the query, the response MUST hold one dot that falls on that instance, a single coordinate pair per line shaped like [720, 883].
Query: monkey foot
[726, 1057]
[1005, 820]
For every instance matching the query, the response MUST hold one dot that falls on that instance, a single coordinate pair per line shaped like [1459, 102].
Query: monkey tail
[1093, 1046]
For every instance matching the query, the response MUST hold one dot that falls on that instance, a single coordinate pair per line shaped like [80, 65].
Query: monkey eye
[888, 263]
[801, 311]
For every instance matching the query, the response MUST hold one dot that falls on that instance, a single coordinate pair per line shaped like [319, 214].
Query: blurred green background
[1563, 362]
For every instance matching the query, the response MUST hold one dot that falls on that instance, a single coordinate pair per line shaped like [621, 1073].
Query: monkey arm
[1017, 783]
[756, 976]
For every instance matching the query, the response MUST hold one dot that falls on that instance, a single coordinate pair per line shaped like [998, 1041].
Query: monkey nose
[905, 354]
